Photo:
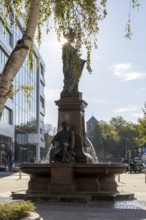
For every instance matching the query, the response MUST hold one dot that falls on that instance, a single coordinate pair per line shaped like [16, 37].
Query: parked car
[136, 166]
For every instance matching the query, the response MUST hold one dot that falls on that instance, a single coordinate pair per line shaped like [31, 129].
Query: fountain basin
[69, 178]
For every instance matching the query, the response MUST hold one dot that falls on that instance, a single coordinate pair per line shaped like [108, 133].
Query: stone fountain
[76, 178]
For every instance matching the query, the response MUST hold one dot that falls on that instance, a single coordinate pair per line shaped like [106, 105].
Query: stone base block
[73, 198]
[62, 188]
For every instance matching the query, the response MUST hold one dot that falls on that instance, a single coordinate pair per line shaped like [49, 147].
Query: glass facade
[6, 33]
[5, 143]
[26, 109]
[3, 57]
[7, 116]
[18, 33]
[27, 118]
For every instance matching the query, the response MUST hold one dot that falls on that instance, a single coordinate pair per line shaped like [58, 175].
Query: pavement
[99, 210]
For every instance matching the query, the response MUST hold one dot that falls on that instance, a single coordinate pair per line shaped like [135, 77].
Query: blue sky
[117, 85]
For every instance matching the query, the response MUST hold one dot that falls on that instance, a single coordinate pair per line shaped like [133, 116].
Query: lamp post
[139, 150]
[127, 147]
[129, 156]
[128, 152]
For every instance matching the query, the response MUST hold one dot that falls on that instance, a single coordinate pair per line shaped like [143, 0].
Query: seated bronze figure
[63, 145]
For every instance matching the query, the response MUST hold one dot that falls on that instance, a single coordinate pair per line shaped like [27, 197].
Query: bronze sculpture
[63, 145]
[72, 67]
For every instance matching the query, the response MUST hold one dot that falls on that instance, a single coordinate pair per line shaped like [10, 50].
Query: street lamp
[129, 156]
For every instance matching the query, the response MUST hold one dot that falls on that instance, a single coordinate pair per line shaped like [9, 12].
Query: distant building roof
[92, 120]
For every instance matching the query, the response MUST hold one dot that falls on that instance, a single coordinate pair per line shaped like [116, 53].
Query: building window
[5, 32]
[18, 33]
[41, 121]
[42, 102]
[41, 131]
[42, 70]
[3, 57]
[9, 37]
[41, 87]
[7, 116]
[25, 114]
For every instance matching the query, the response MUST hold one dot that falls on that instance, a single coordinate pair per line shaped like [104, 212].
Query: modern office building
[22, 122]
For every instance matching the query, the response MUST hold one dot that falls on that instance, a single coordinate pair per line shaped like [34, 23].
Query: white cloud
[126, 72]
[52, 94]
[126, 109]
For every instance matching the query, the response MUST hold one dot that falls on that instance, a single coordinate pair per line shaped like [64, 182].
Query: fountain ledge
[72, 182]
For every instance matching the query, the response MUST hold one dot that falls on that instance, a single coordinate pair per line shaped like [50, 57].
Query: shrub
[15, 211]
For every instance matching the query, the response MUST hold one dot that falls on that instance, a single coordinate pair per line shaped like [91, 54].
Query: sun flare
[62, 41]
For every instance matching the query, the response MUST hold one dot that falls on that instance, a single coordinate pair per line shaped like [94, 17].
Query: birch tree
[83, 16]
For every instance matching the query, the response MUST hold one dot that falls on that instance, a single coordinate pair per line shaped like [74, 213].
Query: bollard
[119, 178]
[19, 174]
[145, 174]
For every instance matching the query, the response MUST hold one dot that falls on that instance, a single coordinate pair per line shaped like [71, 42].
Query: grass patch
[15, 211]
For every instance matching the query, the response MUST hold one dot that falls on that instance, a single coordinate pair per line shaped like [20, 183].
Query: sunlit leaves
[141, 140]
[128, 31]
[82, 16]
[135, 3]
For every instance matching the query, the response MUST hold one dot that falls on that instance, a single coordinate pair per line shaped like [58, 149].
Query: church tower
[91, 124]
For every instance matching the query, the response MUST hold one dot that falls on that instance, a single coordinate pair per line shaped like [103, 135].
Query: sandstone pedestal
[71, 109]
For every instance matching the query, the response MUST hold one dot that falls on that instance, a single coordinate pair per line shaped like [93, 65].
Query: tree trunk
[19, 53]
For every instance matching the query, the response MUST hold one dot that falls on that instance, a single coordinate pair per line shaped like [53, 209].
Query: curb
[32, 216]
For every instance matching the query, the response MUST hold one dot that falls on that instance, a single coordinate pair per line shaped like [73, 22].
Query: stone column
[62, 179]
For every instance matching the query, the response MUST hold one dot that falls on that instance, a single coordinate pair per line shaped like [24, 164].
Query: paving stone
[97, 210]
